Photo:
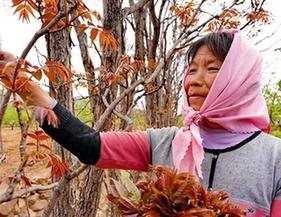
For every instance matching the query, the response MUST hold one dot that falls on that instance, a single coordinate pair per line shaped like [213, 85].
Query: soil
[11, 141]
[38, 171]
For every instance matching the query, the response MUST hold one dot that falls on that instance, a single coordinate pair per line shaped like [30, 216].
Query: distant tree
[141, 50]
[273, 99]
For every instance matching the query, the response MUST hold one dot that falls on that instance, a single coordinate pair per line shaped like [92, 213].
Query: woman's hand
[7, 65]
[32, 93]
[6, 57]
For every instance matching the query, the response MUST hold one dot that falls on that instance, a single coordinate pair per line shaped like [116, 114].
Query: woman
[224, 116]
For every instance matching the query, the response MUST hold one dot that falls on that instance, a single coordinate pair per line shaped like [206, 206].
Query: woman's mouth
[194, 97]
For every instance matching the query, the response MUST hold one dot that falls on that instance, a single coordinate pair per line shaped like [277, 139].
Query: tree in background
[273, 99]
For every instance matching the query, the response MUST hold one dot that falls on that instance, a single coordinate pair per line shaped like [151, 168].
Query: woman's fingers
[7, 62]
[6, 56]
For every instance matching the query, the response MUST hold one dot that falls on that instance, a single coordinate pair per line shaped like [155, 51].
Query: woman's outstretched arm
[106, 150]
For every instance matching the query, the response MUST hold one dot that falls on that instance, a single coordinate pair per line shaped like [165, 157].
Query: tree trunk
[59, 50]
[89, 69]
[92, 179]
[113, 20]
[153, 100]
[4, 105]
[89, 197]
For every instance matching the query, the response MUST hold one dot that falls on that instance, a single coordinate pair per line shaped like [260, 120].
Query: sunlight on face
[202, 73]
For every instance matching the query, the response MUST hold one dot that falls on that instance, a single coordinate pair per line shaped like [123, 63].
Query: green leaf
[129, 185]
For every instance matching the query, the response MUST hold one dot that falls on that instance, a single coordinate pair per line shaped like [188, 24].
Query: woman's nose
[197, 78]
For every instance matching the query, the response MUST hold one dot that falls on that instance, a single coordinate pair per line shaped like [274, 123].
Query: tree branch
[10, 190]
[129, 10]
[118, 114]
[44, 30]
[20, 193]
[58, 189]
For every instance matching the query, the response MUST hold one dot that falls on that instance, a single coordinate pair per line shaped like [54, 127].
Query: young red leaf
[152, 214]
[19, 8]
[10, 179]
[97, 15]
[20, 83]
[50, 73]
[16, 2]
[26, 180]
[172, 194]
[30, 144]
[198, 212]
[55, 172]
[49, 164]
[7, 180]
[32, 135]
[101, 38]
[24, 16]
[29, 9]
[59, 167]
[81, 28]
[32, 4]
[43, 137]
[61, 72]
[38, 74]
[94, 33]
[23, 70]
[38, 155]
[152, 64]
[6, 81]
[45, 146]
[39, 132]
[64, 165]
[53, 68]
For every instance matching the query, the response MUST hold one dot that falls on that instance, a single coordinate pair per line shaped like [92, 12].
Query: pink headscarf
[235, 102]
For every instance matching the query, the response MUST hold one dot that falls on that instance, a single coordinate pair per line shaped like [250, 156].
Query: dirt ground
[11, 149]
[11, 140]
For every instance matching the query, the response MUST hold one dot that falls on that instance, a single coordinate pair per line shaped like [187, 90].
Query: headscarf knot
[190, 116]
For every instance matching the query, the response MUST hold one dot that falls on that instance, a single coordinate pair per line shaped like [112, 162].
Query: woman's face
[202, 73]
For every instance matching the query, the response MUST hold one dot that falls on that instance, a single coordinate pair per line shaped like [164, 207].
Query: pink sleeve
[124, 150]
[251, 209]
[275, 208]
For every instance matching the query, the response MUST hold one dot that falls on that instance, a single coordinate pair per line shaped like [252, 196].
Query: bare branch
[10, 190]
[21, 193]
[129, 10]
[134, 103]
[44, 30]
[4, 104]
[118, 114]
[58, 189]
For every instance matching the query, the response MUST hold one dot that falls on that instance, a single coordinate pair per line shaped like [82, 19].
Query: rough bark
[153, 101]
[88, 66]
[4, 104]
[114, 22]
[126, 104]
[90, 195]
[92, 179]
[59, 50]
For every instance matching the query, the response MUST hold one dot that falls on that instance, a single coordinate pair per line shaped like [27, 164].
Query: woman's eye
[192, 71]
[213, 69]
